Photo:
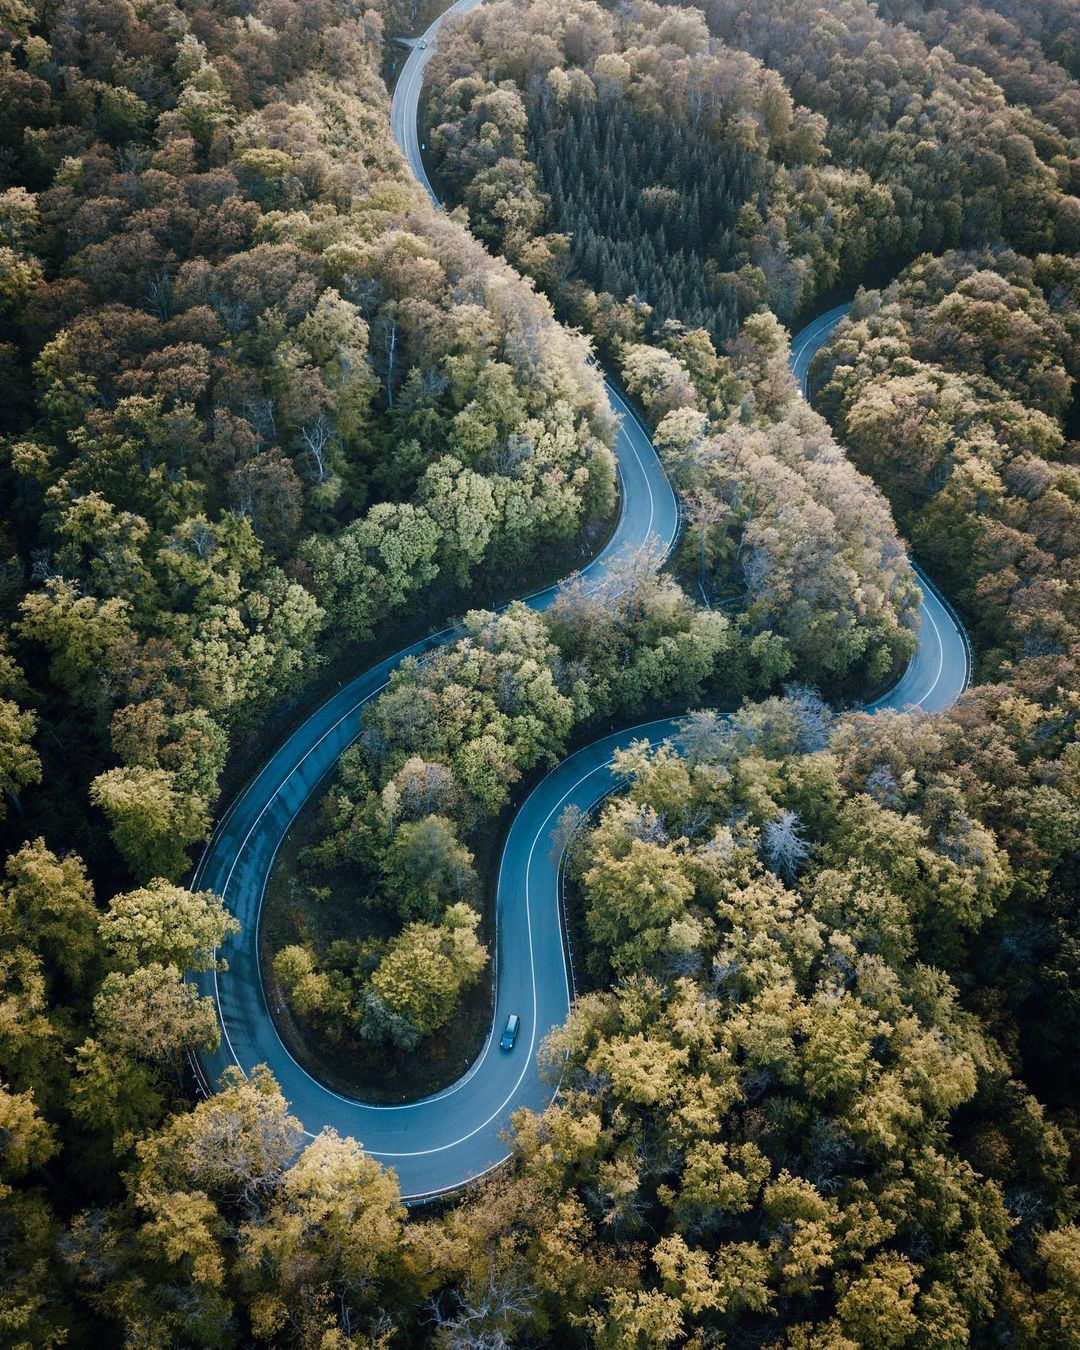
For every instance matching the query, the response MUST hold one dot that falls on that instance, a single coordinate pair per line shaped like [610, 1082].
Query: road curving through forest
[440, 1143]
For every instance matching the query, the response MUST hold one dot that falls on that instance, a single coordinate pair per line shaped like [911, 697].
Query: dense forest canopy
[950, 387]
[803, 578]
[268, 397]
[664, 158]
[643, 149]
[267, 409]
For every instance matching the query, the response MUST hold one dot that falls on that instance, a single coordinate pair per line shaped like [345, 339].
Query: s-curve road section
[440, 1143]
[436, 1144]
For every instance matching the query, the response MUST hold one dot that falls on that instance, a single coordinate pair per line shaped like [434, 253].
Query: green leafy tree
[49, 901]
[20, 764]
[638, 912]
[427, 868]
[83, 635]
[166, 924]
[331, 1238]
[153, 1015]
[152, 821]
[425, 970]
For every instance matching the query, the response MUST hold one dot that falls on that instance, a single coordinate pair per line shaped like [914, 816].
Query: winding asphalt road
[438, 1144]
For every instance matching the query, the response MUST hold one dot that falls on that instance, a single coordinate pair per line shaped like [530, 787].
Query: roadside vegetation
[803, 577]
[808, 1030]
[263, 405]
[954, 389]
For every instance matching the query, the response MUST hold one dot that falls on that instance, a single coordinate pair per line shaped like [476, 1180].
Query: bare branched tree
[704, 509]
[482, 1318]
[703, 734]
[881, 784]
[317, 437]
[260, 413]
[646, 825]
[813, 714]
[565, 834]
[783, 845]
[159, 295]
[384, 350]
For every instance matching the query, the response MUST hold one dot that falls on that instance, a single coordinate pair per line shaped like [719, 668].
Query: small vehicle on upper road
[510, 1032]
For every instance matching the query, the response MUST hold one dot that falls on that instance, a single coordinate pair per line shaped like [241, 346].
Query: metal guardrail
[925, 579]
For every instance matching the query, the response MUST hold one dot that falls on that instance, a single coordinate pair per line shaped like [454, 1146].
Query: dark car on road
[510, 1032]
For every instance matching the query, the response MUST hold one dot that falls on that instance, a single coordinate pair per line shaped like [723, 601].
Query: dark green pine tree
[595, 163]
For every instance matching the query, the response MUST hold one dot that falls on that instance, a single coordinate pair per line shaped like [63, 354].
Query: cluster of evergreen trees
[649, 206]
[875, 146]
